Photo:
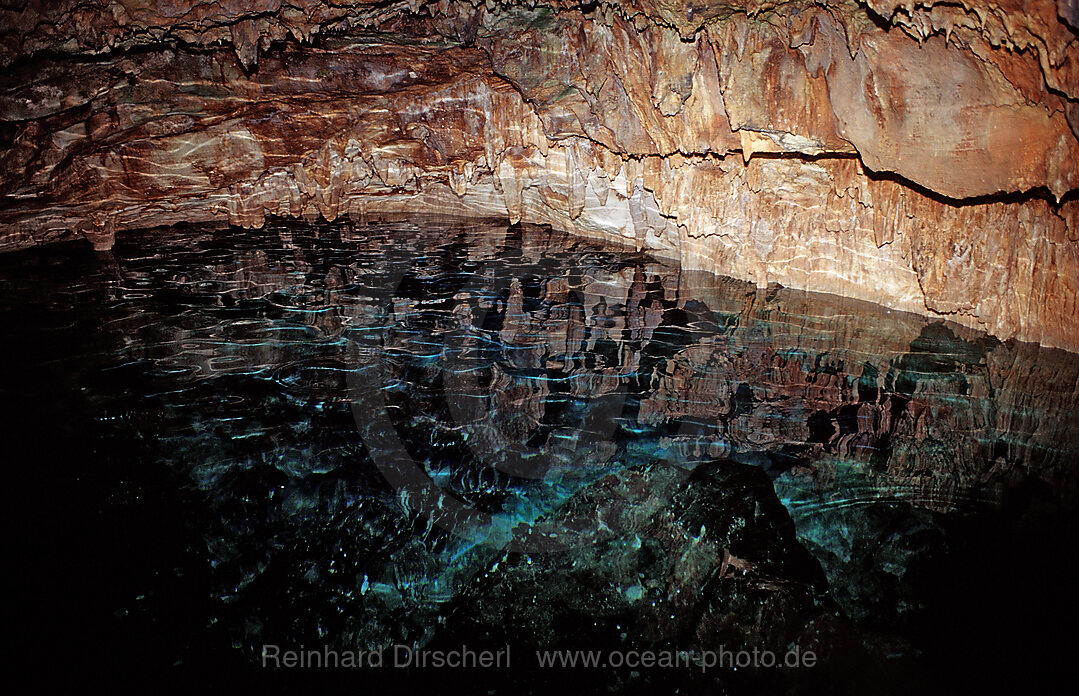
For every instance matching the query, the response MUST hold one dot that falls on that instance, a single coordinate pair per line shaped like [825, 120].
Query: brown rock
[820, 148]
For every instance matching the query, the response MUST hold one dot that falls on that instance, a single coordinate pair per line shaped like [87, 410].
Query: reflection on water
[329, 434]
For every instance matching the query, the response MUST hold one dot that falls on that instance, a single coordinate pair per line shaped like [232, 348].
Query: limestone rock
[922, 157]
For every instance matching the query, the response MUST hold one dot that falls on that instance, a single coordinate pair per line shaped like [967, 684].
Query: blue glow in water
[266, 394]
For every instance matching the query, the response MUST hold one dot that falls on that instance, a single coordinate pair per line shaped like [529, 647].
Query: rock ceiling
[921, 155]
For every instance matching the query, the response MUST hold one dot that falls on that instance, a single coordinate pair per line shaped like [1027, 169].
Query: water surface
[361, 435]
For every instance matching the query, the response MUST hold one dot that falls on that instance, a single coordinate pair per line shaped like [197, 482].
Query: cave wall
[919, 155]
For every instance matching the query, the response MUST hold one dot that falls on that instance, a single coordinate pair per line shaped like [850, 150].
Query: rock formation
[919, 155]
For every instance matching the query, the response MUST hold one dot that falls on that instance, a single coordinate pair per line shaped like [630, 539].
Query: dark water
[360, 436]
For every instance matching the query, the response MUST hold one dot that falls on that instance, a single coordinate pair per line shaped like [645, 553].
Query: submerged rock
[705, 566]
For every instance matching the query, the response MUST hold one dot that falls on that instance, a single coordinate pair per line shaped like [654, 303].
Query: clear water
[328, 434]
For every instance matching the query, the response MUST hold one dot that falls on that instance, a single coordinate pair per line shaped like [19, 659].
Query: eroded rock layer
[918, 155]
